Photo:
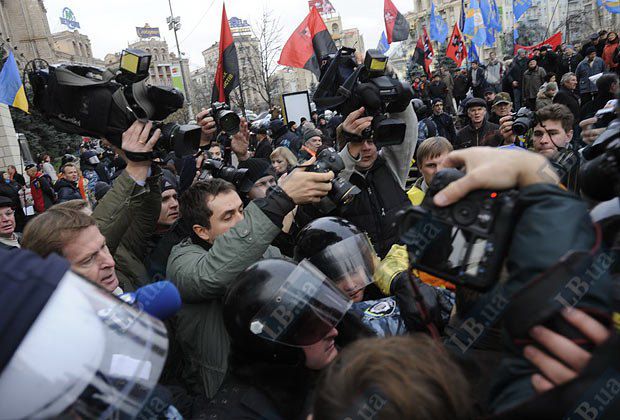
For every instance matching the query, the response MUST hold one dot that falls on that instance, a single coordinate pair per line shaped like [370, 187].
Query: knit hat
[590, 50]
[257, 168]
[168, 181]
[313, 132]
[101, 188]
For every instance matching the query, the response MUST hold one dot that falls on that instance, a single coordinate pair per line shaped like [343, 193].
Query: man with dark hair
[224, 240]
[461, 85]
[549, 60]
[515, 77]
[533, 78]
[590, 66]
[438, 89]
[477, 78]
[282, 136]
[594, 43]
[263, 145]
[443, 121]
[8, 238]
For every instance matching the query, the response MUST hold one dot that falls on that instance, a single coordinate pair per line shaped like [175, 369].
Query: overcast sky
[110, 24]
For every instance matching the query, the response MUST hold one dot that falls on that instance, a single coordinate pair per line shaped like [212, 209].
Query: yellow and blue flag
[612, 6]
[383, 46]
[520, 6]
[474, 27]
[11, 86]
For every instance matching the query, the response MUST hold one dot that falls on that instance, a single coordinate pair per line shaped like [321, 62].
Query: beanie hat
[313, 132]
[101, 188]
[5, 201]
[257, 168]
[168, 181]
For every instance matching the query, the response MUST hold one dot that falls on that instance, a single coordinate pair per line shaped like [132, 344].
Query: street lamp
[174, 24]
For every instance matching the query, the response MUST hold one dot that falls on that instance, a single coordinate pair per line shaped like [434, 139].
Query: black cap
[257, 168]
[437, 101]
[594, 36]
[168, 181]
[5, 201]
[590, 50]
[30, 165]
[475, 102]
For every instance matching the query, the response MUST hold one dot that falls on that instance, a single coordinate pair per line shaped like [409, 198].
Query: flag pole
[241, 97]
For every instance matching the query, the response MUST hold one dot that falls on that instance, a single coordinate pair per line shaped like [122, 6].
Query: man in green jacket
[127, 215]
[225, 240]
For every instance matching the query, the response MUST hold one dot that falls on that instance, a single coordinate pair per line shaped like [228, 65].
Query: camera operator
[109, 247]
[380, 175]
[225, 239]
[551, 137]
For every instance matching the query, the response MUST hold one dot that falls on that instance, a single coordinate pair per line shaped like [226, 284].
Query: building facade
[74, 47]
[351, 37]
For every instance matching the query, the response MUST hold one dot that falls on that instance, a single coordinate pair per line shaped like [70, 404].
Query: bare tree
[262, 56]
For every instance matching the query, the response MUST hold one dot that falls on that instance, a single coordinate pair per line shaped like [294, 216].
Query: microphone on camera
[160, 299]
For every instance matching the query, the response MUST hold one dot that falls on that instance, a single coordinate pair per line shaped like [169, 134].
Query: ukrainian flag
[11, 86]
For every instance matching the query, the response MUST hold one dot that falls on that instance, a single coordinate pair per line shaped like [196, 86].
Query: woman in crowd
[282, 161]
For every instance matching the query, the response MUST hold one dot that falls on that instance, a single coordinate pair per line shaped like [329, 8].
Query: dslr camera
[346, 86]
[342, 192]
[225, 119]
[213, 168]
[523, 120]
[464, 243]
[102, 103]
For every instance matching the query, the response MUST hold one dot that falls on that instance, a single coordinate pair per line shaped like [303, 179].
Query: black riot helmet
[321, 233]
[275, 307]
[340, 250]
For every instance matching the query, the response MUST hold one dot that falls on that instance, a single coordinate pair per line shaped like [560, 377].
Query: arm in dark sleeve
[188, 172]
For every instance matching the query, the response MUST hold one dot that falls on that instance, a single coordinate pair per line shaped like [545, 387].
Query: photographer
[551, 137]
[380, 175]
[534, 248]
[225, 239]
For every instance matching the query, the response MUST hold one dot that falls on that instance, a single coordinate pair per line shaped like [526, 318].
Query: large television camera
[346, 86]
[465, 243]
[101, 103]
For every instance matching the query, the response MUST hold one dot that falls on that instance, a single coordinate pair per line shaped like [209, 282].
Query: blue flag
[495, 19]
[520, 6]
[383, 45]
[612, 6]
[472, 54]
[439, 27]
[474, 27]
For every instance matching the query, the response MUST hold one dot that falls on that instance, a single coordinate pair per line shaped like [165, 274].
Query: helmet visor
[350, 263]
[88, 355]
[303, 310]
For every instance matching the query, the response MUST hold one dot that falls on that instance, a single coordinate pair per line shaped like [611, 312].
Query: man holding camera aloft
[380, 175]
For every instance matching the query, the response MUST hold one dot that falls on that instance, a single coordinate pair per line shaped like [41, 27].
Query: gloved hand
[404, 293]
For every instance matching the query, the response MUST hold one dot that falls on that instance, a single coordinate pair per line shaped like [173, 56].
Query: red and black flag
[456, 50]
[423, 54]
[308, 44]
[396, 26]
[227, 74]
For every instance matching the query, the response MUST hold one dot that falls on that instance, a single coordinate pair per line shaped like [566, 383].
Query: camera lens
[343, 191]
[228, 121]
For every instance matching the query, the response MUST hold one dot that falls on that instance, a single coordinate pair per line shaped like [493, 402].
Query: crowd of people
[297, 302]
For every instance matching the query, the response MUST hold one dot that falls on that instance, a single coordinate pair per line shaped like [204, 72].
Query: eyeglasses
[7, 213]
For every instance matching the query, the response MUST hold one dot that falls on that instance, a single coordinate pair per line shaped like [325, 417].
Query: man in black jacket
[515, 77]
[549, 60]
[263, 147]
[282, 136]
[479, 131]
[478, 79]
[438, 88]
[443, 121]
[66, 187]
[461, 86]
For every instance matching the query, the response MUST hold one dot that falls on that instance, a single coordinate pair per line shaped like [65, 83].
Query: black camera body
[523, 120]
[464, 243]
[346, 86]
[101, 103]
[213, 168]
[225, 119]
[342, 192]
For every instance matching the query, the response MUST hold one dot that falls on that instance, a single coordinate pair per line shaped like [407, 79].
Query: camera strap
[139, 156]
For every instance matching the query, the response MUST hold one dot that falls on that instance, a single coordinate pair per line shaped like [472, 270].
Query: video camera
[92, 102]
[346, 86]
[464, 243]
[342, 192]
